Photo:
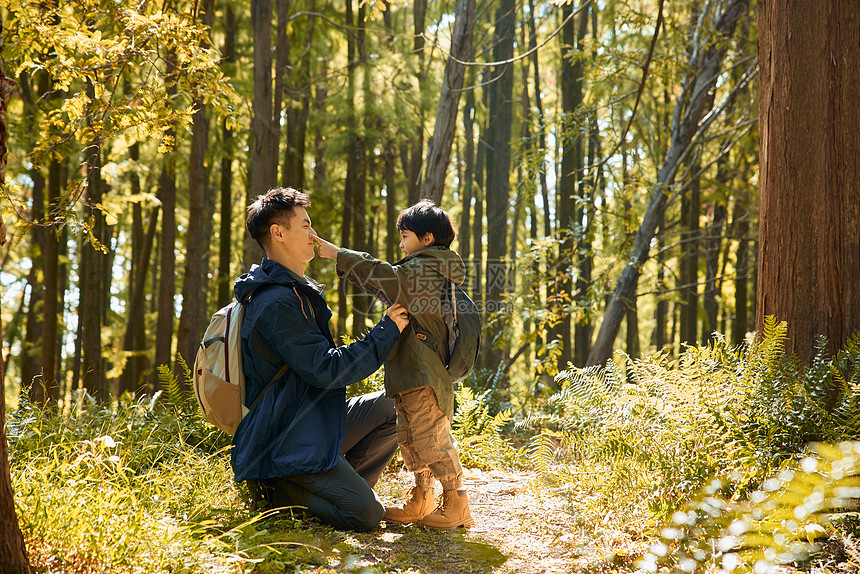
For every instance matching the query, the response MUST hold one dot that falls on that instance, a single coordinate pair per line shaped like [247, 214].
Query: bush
[662, 428]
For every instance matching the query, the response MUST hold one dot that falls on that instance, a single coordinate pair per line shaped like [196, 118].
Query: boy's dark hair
[426, 217]
[275, 206]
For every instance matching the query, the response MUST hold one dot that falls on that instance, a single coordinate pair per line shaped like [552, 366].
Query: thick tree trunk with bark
[439, 149]
[263, 161]
[499, 166]
[689, 111]
[809, 122]
[195, 287]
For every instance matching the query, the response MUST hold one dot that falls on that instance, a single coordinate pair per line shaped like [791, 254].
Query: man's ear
[275, 231]
[427, 239]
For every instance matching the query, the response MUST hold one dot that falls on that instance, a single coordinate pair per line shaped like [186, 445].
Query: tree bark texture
[439, 149]
[498, 166]
[225, 277]
[263, 163]
[192, 320]
[689, 111]
[809, 121]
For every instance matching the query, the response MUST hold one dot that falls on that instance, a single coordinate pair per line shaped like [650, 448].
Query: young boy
[415, 373]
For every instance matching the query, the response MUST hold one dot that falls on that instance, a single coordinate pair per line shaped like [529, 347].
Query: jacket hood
[443, 260]
[269, 272]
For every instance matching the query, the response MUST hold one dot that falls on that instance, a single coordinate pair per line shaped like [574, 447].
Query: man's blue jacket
[297, 426]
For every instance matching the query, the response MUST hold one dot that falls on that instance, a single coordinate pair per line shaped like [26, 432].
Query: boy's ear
[427, 239]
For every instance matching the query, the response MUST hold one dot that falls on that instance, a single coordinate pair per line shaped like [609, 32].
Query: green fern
[479, 437]
[179, 393]
[714, 410]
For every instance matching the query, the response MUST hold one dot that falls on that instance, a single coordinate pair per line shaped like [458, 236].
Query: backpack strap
[278, 375]
[281, 372]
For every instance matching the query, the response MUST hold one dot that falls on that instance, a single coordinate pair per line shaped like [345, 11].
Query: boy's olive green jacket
[417, 283]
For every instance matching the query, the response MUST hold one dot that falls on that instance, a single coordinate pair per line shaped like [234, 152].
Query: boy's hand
[398, 314]
[325, 249]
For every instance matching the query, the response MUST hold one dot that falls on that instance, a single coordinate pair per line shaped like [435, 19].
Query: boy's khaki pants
[424, 436]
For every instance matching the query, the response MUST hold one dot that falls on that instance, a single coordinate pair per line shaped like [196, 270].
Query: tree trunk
[93, 260]
[13, 553]
[439, 149]
[134, 340]
[50, 318]
[32, 89]
[167, 256]
[689, 111]
[225, 277]
[413, 173]
[809, 260]
[712, 245]
[498, 168]
[688, 279]
[741, 225]
[570, 215]
[391, 235]
[262, 168]
[167, 263]
[544, 187]
[195, 287]
[464, 237]
[478, 225]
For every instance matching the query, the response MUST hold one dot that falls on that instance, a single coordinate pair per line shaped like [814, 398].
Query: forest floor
[519, 528]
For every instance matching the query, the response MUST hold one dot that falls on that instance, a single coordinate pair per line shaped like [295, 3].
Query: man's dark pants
[343, 496]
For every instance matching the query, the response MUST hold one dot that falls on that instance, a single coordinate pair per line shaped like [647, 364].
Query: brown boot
[419, 504]
[453, 512]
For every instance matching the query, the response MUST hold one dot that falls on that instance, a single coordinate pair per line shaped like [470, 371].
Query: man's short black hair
[275, 206]
[426, 217]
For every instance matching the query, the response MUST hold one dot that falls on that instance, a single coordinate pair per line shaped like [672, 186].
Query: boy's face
[411, 243]
[295, 241]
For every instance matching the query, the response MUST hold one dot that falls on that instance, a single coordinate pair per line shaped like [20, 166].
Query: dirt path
[518, 529]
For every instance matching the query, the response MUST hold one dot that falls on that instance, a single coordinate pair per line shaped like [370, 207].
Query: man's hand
[398, 314]
[325, 249]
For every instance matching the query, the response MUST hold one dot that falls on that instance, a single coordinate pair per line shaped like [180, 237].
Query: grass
[144, 485]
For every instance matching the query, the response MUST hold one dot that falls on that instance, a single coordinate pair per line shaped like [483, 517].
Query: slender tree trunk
[320, 96]
[712, 245]
[544, 187]
[413, 173]
[298, 92]
[391, 235]
[465, 236]
[225, 277]
[13, 553]
[741, 224]
[90, 314]
[478, 224]
[809, 260]
[691, 206]
[134, 340]
[439, 149]
[689, 111]
[167, 260]
[167, 242]
[50, 319]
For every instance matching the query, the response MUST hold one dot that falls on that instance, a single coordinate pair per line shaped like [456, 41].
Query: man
[301, 444]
